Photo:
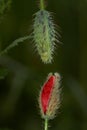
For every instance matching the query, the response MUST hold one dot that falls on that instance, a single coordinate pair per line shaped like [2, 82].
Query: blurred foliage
[4, 129]
[22, 72]
[4, 4]
[3, 72]
[4, 7]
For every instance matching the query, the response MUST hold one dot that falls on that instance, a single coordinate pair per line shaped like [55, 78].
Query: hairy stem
[14, 43]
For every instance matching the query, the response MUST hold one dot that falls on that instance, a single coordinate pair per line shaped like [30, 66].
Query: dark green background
[22, 73]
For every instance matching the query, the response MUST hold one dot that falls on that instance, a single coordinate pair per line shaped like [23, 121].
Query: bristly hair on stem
[45, 35]
[14, 43]
[49, 98]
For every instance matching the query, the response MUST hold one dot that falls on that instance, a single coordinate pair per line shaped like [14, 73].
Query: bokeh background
[22, 73]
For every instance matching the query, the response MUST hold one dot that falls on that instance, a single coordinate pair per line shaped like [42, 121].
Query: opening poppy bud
[49, 99]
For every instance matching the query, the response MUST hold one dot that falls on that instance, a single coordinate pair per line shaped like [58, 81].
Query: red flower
[49, 99]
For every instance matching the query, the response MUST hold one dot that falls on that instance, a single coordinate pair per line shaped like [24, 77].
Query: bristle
[44, 35]
[49, 99]
[54, 102]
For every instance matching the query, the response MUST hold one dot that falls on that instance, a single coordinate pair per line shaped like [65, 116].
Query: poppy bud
[49, 99]
[45, 35]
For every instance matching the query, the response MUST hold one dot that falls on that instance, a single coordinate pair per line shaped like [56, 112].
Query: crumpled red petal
[46, 93]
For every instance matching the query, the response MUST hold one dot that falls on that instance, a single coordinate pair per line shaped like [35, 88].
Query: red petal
[46, 92]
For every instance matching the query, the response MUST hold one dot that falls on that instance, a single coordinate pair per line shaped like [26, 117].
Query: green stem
[15, 43]
[46, 124]
[41, 4]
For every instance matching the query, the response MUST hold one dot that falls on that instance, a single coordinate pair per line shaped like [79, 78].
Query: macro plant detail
[49, 99]
[45, 35]
[38, 37]
[15, 43]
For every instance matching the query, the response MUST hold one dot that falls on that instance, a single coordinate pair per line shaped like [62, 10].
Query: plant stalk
[46, 124]
[42, 4]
